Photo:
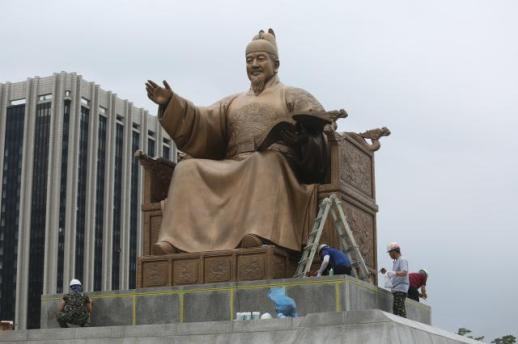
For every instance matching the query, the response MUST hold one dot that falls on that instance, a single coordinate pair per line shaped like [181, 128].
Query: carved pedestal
[261, 263]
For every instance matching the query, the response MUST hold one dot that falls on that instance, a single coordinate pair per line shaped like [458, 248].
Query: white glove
[391, 274]
[319, 274]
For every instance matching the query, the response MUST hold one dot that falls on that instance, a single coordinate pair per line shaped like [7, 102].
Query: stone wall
[221, 301]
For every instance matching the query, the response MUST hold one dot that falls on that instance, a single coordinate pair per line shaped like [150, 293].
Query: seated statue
[240, 187]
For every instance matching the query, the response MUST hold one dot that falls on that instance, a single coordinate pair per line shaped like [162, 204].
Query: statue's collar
[274, 80]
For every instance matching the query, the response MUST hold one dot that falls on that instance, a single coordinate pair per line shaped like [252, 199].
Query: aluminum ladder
[333, 205]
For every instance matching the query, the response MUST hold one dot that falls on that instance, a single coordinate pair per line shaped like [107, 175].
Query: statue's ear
[270, 30]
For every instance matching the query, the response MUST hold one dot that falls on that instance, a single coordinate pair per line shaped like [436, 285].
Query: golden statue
[235, 190]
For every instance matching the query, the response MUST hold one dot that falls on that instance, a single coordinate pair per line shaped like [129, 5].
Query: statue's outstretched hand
[159, 95]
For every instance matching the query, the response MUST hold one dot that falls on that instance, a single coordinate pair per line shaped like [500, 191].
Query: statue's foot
[250, 241]
[163, 247]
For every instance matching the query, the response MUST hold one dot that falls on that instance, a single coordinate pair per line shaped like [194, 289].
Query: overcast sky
[442, 75]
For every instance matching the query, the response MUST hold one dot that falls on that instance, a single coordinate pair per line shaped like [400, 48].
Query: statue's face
[260, 67]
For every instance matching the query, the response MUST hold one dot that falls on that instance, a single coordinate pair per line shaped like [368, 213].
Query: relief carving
[357, 168]
[279, 266]
[185, 271]
[362, 226]
[217, 269]
[251, 267]
[154, 273]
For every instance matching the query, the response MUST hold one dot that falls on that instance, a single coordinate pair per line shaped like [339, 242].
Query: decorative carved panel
[186, 271]
[218, 269]
[362, 226]
[155, 273]
[156, 222]
[279, 266]
[251, 267]
[356, 168]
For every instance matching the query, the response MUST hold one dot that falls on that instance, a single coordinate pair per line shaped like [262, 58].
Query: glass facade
[81, 193]
[117, 205]
[134, 212]
[166, 153]
[99, 203]
[10, 211]
[38, 213]
[151, 147]
[63, 196]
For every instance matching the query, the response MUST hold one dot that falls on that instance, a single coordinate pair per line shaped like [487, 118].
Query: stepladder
[332, 205]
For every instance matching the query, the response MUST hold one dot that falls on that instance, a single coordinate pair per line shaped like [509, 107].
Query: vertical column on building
[72, 176]
[159, 141]
[90, 187]
[25, 206]
[108, 200]
[126, 193]
[53, 186]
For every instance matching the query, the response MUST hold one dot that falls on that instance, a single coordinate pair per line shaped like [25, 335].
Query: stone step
[362, 327]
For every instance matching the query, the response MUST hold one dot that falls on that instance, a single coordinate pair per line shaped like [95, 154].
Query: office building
[70, 191]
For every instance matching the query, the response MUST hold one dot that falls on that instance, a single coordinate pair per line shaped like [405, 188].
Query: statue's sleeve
[312, 151]
[200, 132]
[299, 100]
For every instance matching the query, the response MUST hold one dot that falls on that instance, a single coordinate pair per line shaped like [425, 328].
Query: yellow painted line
[134, 309]
[301, 282]
[231, 303]
[337, 297]
[180, 307]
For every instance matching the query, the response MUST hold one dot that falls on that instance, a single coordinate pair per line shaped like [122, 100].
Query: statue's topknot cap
[263, 42]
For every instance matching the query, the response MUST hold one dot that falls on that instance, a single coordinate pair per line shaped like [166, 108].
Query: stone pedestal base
[247, 264]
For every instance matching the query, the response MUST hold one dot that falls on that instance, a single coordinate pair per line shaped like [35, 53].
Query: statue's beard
[258, 83]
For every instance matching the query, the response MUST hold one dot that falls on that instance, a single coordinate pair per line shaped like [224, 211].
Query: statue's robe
[228, 189]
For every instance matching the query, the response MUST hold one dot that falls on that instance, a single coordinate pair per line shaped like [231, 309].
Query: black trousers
[413, 294]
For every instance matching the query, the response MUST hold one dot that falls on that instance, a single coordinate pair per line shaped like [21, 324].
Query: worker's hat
[393, 246]
[322, 247]
[424, 271]
[75, 281]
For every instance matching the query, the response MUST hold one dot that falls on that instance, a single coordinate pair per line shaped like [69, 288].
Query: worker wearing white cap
[75, 307]
[398, 278]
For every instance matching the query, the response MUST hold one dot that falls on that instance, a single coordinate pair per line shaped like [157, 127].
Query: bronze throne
[351, 177]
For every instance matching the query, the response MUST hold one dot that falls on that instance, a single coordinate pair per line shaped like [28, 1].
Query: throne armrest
[157, 177]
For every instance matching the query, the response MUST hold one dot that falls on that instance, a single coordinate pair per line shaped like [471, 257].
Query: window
[17, 101]
[85, 102]
[45, 97]
[38, 213]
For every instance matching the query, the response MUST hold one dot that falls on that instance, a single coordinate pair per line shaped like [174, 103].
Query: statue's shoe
[161, 248]
[250, 241]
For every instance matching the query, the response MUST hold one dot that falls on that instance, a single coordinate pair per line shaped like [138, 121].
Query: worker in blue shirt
[332, 258]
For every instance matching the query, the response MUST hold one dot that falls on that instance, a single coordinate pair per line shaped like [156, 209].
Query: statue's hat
[263, 42]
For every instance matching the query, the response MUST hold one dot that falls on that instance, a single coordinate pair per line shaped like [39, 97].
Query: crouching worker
[417, 280]
[334, 259]
[285, 306]
[76, 306]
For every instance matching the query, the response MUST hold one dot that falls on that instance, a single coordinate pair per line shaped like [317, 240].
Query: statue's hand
[159, 95]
